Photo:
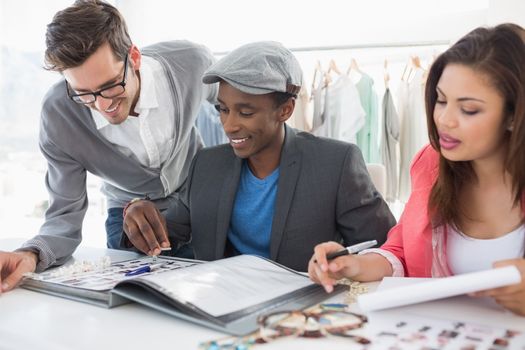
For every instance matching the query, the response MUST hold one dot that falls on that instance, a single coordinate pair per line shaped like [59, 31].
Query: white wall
[224, 25]
[506, 11]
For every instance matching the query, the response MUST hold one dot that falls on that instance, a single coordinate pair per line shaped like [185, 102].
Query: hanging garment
[367, 138]
[413, 134]
[301, 117]
[343, 114]
[318, 100]
[209, 125]
[389, 141]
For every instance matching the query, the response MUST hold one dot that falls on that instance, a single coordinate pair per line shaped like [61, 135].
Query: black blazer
[324, 194]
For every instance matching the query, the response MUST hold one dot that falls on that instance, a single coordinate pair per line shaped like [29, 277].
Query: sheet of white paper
[224, 286]
[438, 288]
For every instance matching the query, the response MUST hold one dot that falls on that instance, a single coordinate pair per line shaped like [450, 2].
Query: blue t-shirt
[252, 216]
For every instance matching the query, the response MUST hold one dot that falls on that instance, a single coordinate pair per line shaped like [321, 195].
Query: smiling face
[253, 124]
[469, 115]
[103, 69]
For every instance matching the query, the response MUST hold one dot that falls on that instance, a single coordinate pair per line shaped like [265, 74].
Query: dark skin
[255, 128]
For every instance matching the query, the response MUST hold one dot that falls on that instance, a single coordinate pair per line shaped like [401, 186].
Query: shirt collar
[147, 96]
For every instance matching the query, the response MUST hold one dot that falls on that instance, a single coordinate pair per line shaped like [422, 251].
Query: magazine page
[224, 286]
[100, 276]
[436, 288]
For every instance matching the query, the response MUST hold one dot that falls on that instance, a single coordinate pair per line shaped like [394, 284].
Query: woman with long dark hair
[466, 210]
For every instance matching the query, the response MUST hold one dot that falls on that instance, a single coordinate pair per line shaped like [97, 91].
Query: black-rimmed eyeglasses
[107, 92]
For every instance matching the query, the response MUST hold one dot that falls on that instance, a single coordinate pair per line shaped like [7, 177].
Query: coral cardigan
[415, 246]
[418, 247]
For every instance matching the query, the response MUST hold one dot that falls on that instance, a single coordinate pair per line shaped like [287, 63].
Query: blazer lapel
[227, 198]
[290, 167]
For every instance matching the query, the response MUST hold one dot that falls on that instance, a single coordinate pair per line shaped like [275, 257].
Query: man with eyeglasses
[124, 115]
[108, 92]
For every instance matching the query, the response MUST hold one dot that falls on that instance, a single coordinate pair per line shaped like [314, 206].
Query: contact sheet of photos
[107, 277]
[421, 333]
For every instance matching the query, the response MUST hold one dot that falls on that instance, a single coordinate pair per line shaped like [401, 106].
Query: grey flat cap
[258, 68]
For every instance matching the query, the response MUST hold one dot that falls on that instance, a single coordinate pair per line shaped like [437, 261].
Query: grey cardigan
[324, 193]
[70, 142]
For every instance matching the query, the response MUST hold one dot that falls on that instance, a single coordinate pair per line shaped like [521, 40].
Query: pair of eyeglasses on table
[318, 323]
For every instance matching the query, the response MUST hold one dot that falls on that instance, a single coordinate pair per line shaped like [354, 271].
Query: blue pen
[333, 306]
[143, 269]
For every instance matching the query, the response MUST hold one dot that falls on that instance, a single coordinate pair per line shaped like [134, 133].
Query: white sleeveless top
[466, 254]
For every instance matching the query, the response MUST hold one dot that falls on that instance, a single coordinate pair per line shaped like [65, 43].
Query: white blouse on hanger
[413, 132]
[343, 114]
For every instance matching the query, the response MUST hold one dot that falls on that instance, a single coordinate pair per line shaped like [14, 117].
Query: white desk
[36, 320]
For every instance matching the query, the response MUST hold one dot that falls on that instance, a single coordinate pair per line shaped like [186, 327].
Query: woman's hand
[510, 297]
[326, 272]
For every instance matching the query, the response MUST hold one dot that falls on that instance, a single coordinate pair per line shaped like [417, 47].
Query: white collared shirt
[148, 137]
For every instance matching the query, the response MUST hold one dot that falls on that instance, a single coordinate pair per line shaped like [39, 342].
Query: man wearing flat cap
[272, 191]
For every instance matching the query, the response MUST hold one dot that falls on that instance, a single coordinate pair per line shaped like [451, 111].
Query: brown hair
[79, 30]
[499, 53]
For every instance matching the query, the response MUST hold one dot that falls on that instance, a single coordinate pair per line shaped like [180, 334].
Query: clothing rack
[360, 46]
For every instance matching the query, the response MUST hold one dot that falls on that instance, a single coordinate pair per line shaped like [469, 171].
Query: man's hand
[13, 265]
[146, 227]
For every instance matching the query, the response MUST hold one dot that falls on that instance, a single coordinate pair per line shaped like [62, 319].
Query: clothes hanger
[416, 62]
[353, 67]
[404, 74]
[327, 78]
[333, 67]
[412, 65]
[354, 72]
[317, 69]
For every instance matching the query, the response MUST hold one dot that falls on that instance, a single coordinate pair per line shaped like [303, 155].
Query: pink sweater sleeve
[415, 218]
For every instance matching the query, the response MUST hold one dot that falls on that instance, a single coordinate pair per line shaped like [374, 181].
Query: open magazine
[226, 294]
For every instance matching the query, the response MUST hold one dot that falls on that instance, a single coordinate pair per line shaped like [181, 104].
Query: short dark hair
[498, 53]
[279, 98]
[79, 30]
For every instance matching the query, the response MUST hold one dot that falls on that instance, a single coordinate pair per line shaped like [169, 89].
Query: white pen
[162, 249]
[352, 249]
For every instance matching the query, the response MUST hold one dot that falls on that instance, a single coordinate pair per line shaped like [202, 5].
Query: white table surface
[35, 320]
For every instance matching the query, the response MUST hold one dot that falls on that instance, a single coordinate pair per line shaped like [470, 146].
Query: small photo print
[387, 334]
[425, 333]
[511, 333]
[459, 325]
[448, 334]
[469, 337]
[501, 343]
[468, 347]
